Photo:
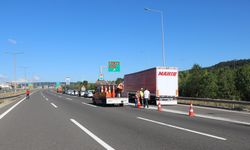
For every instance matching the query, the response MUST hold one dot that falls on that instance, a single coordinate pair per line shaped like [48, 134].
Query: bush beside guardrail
[219, 103]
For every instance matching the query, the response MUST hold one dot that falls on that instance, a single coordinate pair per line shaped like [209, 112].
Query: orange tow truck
[109, 94]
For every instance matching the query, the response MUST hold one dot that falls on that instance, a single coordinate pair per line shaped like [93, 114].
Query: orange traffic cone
[191, 111]
[159, 106]
[138, 104]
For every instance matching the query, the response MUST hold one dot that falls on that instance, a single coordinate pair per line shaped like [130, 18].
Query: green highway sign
[57, 84]
[114, 66]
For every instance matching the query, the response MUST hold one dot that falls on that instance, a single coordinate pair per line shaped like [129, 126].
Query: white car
[76, 92]
[82, 93]
[88, 94]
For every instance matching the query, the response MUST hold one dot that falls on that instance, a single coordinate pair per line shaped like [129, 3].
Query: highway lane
[36, 125]
[240, 116]
[56, 121]
[122, 128]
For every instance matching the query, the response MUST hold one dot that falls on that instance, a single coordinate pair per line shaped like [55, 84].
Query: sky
[73, 38]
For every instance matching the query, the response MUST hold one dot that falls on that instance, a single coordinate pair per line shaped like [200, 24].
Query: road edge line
[199, 115]
[12, 107]
[7, 111]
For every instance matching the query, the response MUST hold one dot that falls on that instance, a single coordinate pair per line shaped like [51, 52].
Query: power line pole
[14, 65]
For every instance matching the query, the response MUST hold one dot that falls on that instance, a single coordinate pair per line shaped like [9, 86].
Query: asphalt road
[60, 122]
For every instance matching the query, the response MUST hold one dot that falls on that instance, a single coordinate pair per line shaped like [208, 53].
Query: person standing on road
[146, 97]
[27, 93]
[137, 97]
[142, 97]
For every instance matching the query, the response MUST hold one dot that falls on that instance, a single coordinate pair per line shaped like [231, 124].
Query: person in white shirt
[146, 97]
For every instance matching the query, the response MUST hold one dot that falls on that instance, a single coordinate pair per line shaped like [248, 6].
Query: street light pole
[162, 32]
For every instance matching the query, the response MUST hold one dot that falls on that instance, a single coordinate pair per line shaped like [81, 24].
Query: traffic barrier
[101, 89]
[113, 91]
[191, 111]
[159, 106]
[139, 104]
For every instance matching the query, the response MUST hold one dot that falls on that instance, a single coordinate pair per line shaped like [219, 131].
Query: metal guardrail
[215, 100]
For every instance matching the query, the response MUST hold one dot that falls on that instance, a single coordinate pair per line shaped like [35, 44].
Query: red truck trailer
[162, 82]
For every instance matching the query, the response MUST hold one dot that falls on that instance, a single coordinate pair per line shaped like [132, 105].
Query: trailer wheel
[93, 100]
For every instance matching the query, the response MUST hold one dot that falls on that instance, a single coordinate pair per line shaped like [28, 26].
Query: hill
[232, 64]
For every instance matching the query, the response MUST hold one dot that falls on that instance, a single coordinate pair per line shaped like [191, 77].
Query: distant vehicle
[88, 94]
[107, 93]
[162, 82]
[70, 92]
[82, 93]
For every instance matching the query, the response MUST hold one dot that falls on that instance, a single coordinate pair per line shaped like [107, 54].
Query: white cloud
[36, 78]
[2, 76]
[12, 41]
[21, 80]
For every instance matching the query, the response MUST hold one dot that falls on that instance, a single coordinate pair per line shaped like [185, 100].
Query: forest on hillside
[226, 80]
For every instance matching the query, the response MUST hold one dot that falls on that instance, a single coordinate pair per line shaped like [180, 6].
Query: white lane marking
[60, 96]
[69, 99]
[218, 109]
[89, 104]
[198, 115]
[7, 111]
[47, 99]
[53, 105]
[224, 119]
[97, 139]
[184, 129]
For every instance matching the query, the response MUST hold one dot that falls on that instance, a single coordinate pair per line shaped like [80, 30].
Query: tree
[183, 78]
[119, 80]
[193, 82]
[91, 86]
[85, 84]
[208, 87]
[243, 82]
[226, 84]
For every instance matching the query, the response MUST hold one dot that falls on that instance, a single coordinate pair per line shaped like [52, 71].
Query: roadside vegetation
[227, 80]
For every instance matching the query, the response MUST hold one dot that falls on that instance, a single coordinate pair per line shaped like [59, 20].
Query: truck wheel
[93, 100]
